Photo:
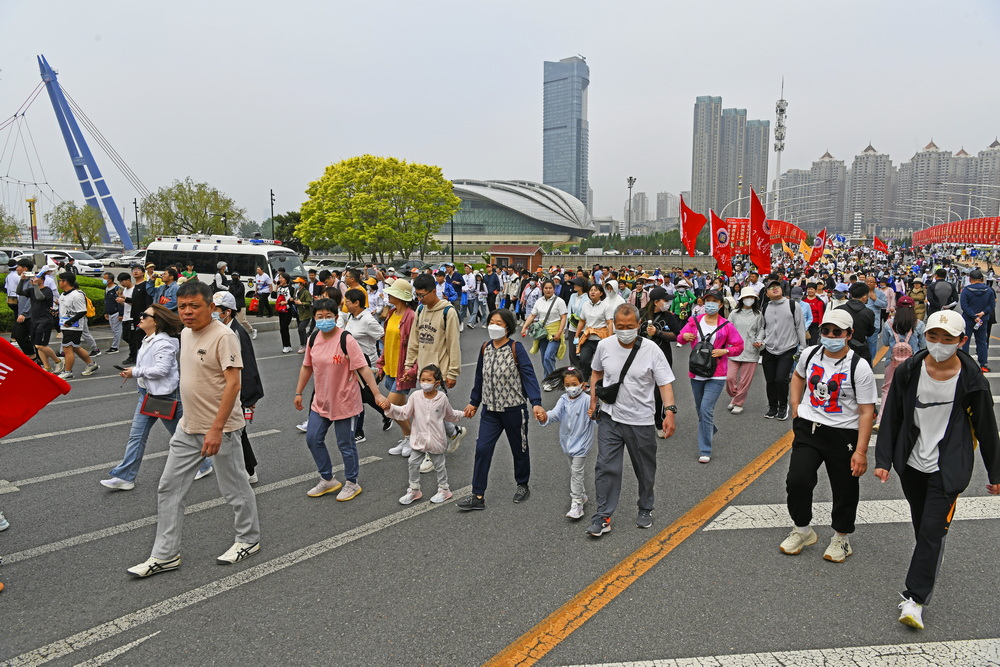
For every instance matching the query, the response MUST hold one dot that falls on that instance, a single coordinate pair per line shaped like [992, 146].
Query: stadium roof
[541, 202]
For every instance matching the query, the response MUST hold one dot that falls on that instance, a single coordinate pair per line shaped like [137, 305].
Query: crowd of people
[605, 336]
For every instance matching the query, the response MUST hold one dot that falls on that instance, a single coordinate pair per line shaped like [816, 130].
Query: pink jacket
[405, 325]
[727, 336]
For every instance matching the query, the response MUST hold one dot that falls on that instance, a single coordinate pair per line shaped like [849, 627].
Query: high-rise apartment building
[826, 192]
[985, 174]
[667, 206]
[726, 148]
[870, 185]
[565, 131]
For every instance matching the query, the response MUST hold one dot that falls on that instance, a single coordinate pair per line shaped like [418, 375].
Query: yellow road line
[537, 642]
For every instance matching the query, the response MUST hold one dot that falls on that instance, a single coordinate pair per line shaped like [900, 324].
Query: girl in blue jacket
[576, 435]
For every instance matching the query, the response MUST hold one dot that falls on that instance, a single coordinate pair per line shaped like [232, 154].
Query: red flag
[760, 236]
[691, 224]
[819, 245]
[880, 245]
[24, 388]
[722, 249]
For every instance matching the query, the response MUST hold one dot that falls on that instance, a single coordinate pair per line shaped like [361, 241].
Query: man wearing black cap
[977, 302]
[782, 334]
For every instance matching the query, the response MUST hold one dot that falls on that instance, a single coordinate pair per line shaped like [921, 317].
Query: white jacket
[156, 364]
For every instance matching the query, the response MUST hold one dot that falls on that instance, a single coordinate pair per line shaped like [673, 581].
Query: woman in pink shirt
[336, 398]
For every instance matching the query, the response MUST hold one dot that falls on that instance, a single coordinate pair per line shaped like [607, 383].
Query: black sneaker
[473, 502]
[358, 439]
[783, 413]
[644, 519]
[129, 362]
[95, 353]
[112, 350]
[599, 526]
[386, 423]
[771, 413]
[522, 493]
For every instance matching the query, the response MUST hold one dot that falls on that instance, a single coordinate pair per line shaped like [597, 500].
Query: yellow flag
[805, 249]
[784, 246]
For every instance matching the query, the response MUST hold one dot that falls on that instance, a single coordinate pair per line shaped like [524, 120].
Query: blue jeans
[548, 348]
[316, 440]
[873, 343]
[142, 424]
[706, 395]
[980, 336]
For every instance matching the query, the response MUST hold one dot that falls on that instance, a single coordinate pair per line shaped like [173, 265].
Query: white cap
[839, 318]
[224, 300]
[948, 320]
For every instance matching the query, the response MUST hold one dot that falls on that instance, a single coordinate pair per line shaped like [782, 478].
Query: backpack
[792, 306]
[855, 360]
[444, 327]
[91, 312]
[901, 350]
[701, 362]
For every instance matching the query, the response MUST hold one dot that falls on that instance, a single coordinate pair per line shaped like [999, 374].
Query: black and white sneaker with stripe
[238, 552]
[155, 566]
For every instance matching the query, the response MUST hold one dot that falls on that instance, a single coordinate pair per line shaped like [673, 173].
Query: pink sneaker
[441, 496]
[410, 496]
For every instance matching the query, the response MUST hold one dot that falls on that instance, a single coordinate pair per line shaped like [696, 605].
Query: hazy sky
[255, 95]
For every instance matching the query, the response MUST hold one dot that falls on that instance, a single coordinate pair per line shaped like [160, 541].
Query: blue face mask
[711, 308]
[326, 325]
[215, 316]
[833, 344]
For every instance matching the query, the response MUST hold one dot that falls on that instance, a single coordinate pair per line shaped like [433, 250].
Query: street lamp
[628, 227]
[739, 197]
[272, 214]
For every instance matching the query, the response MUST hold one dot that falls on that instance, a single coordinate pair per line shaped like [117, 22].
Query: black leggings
[586, 356]
[284, 320]
[777, 375]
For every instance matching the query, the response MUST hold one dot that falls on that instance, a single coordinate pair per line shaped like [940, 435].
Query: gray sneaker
[644, 519]
[90, 369]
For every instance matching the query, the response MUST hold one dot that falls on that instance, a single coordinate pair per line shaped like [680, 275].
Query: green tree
[80, 224]
[186, 207]
[284, 231]
[377, 206]
[249, 228]
[10, 228]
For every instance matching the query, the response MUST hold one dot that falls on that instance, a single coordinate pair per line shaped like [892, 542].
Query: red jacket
[405, 326]
[817, 307]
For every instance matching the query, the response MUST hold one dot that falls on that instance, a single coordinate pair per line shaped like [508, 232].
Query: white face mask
[626, 336]
[496, 331]
[427, 387]
[573, 392]
[662, 306]
[749, 302]
[941, 351]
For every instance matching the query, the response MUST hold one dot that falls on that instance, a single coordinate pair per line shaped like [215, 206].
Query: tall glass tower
[566, 134]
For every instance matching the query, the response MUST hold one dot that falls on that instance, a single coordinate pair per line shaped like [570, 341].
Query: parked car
[85, 264]
[408, 265]
[128, 259]
[99, 254]
[14, 253]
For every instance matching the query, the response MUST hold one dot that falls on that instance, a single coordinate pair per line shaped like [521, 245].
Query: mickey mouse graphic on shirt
[825, 395]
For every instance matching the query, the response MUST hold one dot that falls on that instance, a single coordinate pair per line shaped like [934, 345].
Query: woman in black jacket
[239, 293]
[662, 327]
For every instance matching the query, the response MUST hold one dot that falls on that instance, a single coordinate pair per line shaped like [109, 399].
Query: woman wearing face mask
[940, 404]
[505, 383]
[428, 410]
[595, 324]
[662, 327]
[575, 309]
[336, 399]
[726, 342]
[364, 328]
[532, 293]
[551, 312]
[748, 321]
[391, 365]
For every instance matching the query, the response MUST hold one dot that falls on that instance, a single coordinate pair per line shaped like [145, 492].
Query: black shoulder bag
[609, 394]
[701, 362]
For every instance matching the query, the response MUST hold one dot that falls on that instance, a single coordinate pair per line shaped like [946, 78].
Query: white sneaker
[118, 484]
[839, 549]
[461, 327]
[4, 523]
[66, 375]
[407, 450]
[253, 334]
[457, 440]
[286, 350]
[324, 487]
[704, 459]
[397, 449]
[91, 368]
[661, 434]
[238, 552]
[575, 511]
[304, 426]
[441, 496]
[797, 541]
[155, 566]
[60, 367]
[204, 473]
[410, 496]
[426, 465]
[730, 406]
[253, 478]
[737, 409]
[911, 613]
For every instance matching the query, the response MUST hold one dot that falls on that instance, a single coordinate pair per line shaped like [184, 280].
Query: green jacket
[305, 311]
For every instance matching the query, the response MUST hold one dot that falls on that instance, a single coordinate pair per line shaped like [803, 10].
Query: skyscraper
[565, 131]
[705, 152]
[755, 165]
[869, 189]
[667, 206]
[732, 155]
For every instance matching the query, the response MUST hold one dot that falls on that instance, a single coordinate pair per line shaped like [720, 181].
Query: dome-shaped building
[515, 212]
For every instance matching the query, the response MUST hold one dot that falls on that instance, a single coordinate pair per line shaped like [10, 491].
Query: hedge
[92, 287]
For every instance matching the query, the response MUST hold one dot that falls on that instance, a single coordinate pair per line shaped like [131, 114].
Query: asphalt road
[370, 582]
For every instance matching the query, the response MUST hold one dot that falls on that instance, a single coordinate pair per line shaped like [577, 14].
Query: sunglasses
[836, 332]
[143, 316]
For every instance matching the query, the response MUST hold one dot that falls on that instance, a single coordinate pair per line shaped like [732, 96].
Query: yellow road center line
[560, 624]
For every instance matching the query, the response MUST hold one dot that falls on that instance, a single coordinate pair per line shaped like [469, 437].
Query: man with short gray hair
[625, 372]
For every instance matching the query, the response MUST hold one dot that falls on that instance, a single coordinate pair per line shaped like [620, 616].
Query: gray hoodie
[784, 328]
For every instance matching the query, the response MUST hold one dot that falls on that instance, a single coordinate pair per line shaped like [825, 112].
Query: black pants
[264, 303]
[586, 356]
[248, 457]
[813, 331]
[931, 510]
[491, 302]
[813, 445]
[777, 374]
[134, 341]
[21, 332]
[368, 398]
[284, 320]
[493, 424]
[305, 328]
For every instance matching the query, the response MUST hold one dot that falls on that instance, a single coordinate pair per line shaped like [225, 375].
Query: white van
[240, 255]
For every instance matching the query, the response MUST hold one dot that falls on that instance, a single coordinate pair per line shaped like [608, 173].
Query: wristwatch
[672, 408]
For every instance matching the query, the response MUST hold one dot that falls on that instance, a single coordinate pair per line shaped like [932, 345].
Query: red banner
[819, 245]
[691, 224]
[879, 245]
[975, 230]
[722, 249]
[760, 235]
[24, 388]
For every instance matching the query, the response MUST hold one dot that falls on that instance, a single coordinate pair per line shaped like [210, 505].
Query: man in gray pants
[210, 365]
[630, 422]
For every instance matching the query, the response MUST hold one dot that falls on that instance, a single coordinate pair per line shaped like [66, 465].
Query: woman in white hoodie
[158, 374]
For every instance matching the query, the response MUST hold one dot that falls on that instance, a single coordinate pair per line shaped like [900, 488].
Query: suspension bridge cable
[41, 167]
[24, 106]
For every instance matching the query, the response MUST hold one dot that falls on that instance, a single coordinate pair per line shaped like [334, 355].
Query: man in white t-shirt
[833, 407]
[630, 421]
[940, 404]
